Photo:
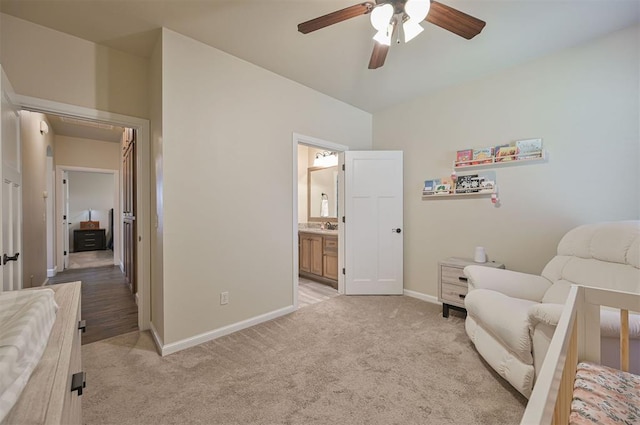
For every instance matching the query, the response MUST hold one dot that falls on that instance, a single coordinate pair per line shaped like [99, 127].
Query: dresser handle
[78, 382]
[463, 296]
[463, 279]
[82, 325]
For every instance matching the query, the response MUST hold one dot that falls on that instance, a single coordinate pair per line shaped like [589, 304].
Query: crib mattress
[602, 395]
[26, 319]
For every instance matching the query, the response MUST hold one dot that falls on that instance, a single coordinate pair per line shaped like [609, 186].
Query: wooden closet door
[129, 207]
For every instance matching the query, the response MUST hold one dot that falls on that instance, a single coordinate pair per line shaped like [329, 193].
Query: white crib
[577, 339]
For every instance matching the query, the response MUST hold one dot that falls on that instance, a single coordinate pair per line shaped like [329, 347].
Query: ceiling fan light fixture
[411, 29]
[381, 16]
[417, 9]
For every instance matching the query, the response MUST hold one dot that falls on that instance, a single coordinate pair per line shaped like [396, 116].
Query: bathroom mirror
[322, 193]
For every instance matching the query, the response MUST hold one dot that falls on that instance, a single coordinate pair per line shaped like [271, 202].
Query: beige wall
[583, 102]
[228, 182]
[157, 218]
[34, 184]
[77, 152]
[49, 64]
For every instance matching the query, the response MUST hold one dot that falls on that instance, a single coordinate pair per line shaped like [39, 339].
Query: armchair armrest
[511, 283]
[546, 313]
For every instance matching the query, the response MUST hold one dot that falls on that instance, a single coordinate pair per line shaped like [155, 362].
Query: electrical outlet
[224, 298]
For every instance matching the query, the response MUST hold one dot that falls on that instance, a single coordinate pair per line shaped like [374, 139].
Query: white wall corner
[156, 338]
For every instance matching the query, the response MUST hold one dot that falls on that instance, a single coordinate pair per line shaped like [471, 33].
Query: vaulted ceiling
[334, 60]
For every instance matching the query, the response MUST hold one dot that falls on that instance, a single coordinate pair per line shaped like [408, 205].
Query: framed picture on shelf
[506, 153]
[528, 149]
[482, 156]
[443, 188]
[463, 157]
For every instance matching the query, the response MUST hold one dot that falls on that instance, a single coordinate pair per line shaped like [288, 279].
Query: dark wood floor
[108, 306]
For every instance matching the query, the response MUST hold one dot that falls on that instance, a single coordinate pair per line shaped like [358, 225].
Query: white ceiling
[334, 60]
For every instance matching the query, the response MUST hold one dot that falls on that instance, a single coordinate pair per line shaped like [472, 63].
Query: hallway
[108, 307]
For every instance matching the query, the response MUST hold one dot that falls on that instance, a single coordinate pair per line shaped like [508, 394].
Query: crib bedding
[602, 395]
[26, 319]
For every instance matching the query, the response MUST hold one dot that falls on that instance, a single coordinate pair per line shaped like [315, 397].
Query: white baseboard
[421, 296]
[52, 272]
[136, 298]
[217, 333]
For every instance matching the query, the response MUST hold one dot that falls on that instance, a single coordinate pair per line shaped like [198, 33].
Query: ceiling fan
[392, 16]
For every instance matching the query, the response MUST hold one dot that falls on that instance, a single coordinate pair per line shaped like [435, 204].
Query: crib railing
[576, 338]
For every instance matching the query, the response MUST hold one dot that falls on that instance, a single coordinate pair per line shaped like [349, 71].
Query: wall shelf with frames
[478, 185]
[507, 160]
[460, 195]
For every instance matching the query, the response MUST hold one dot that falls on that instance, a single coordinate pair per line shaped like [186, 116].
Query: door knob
[396, 230]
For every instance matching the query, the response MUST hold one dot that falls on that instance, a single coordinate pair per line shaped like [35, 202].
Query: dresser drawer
[453, 275]
[454, 294]
[89, 239]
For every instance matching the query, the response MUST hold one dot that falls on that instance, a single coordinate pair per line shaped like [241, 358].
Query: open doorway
[87, 226]
[317, 234]
[138, 192]
[90, 202]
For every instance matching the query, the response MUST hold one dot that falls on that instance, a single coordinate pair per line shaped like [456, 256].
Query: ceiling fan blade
[455, 21]
[378, 55]
[335, 17]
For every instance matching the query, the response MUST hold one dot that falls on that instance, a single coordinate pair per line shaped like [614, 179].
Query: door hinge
[64, 181]
[344, 271]
[65, 253]
[342, 167]
[64, 217]
[343, 219]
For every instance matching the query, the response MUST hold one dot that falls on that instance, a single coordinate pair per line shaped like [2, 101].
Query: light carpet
[347, 360]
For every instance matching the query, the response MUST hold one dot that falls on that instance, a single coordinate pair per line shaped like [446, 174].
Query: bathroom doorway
[316, 229]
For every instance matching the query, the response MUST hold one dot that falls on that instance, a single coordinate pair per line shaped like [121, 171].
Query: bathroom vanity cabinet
[318, 257]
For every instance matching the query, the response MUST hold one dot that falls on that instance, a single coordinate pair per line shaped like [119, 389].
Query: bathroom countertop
[319, 231]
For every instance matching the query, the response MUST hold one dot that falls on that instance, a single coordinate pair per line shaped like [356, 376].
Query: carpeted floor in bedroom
[347, 360]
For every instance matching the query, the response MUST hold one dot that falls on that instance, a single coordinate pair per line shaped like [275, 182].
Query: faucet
[330, 226]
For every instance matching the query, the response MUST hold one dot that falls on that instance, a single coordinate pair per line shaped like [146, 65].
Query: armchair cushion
[505, 318]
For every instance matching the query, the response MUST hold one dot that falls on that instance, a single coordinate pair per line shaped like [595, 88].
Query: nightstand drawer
[453, 285]
[454, 294]
[453, 275]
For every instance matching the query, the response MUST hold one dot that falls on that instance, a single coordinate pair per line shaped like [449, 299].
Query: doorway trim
[59, 211]
[300, 139]
[143, 261]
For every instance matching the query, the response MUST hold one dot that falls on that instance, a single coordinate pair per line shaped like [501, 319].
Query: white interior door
[11, 211]
[373, 251]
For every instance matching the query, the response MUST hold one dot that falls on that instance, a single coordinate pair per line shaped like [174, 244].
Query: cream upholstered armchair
[511, 316]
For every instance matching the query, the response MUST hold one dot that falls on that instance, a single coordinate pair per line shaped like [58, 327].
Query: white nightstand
[452, 283]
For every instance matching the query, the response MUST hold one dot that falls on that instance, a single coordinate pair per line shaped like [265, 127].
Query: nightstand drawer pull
[78, 382]
[463, 296]
[463, 279]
